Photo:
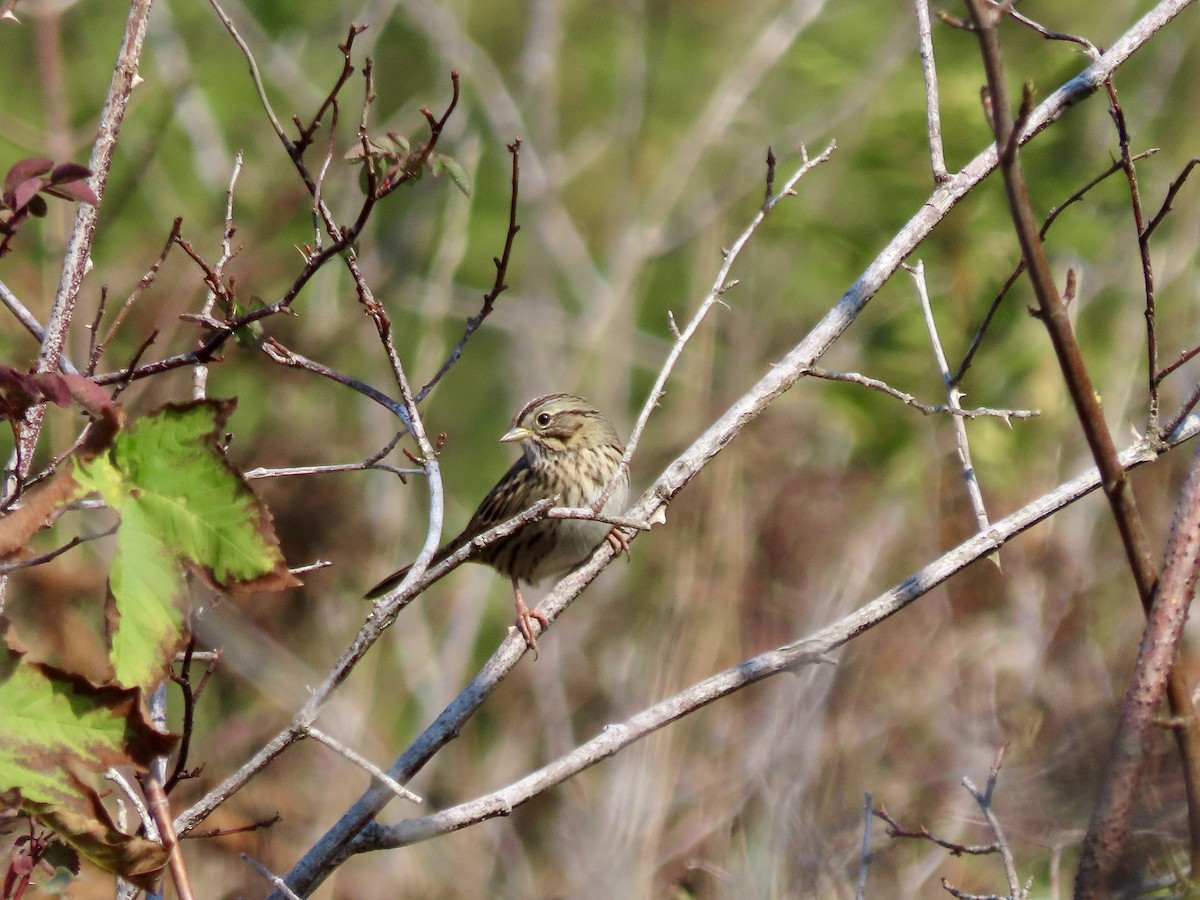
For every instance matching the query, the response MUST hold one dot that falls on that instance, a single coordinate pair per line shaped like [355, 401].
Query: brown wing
[503, 502]
[509, 497]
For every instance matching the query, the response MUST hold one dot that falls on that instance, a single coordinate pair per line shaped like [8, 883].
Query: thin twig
[330, 102]
[896, 830]
[99, 345]
[498, 285]
[1019, 269]
[1171, 192]
[311, 567]
[933, 116]
[953, 398]
[719, 287]
[924, 408]
[78, 254]
[74, 542]
[1092, 51]
[1143, 238]
[200, 373]
[984, 799]
[405, 173]
[236, 829]
[285, 357]
[184, 680]
[1184, 357]
[371, 462]
[864, 855]
[363, 763]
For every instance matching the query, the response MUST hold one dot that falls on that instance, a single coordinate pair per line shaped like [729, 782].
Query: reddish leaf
[69, 171]
[20, 390]
[92, 398]
[74, 190]
[25, 169]
[25, 192]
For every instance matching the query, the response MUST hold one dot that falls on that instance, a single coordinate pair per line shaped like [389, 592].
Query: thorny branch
[924, 408]
[720, 286]
[953, 398]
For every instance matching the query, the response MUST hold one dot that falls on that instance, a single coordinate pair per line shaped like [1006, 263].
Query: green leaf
[459, 175]
[180, 503]
[397, 144]
[250, 336]
[54, 724]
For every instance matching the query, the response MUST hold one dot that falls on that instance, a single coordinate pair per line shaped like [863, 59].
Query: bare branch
[806, 651]
[953, 398]
[363, 763]
[924, 408]
[501, 263]
[896, 830]
[1019, 269]
[200, 374]
[984, 799]
[79, 244]
[719, 287]
[74, 542]
[933, 116]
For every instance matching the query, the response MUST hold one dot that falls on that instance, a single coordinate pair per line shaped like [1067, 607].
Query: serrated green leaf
[52, 721]
[179, 502]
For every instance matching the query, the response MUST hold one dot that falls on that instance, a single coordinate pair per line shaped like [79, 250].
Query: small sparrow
[570, 452]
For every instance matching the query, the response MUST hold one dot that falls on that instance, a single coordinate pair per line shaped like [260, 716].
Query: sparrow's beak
[516, 433]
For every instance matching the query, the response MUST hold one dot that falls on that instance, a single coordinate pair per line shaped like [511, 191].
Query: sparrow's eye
[543, 419]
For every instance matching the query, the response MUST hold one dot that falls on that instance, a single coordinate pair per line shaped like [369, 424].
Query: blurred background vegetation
[645, 129]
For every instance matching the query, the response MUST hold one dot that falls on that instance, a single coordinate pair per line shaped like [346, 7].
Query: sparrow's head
[560, 423]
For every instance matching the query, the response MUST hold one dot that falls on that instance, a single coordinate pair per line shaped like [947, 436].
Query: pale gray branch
[953, 397]
[362, 762]
[933, 116]
[812, 649]
[924, 408]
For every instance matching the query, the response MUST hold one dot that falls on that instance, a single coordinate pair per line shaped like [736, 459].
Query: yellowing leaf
[180, 503]
[54, 724]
